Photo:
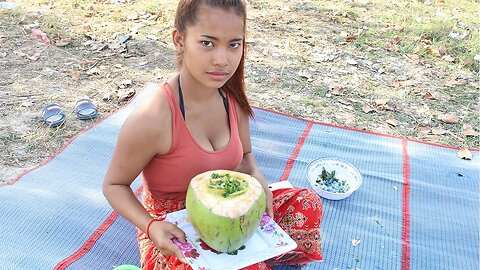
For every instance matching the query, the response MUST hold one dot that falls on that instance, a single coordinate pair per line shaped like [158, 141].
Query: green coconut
[225, 208]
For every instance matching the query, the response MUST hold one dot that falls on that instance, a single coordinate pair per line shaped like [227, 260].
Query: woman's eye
[235, 45]
[207, 43]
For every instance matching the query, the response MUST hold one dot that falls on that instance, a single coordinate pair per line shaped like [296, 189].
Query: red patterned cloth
[297, 211]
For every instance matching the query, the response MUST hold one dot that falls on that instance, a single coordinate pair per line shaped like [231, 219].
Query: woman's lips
[217, 76]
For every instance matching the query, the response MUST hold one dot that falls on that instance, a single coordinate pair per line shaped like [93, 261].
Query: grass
[67, 19]
[417, 25]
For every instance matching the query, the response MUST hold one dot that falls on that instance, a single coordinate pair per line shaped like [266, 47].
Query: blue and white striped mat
[418, 207]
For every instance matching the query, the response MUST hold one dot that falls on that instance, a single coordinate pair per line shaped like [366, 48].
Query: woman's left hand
[269, 197]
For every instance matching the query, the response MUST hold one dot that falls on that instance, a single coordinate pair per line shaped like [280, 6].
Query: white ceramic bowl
[343, 171]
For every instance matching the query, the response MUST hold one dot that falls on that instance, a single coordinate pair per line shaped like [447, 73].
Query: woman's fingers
[269, 210]
[178, 233]
[269, 197]
[166, 246]
[170, 249]
[179, 255]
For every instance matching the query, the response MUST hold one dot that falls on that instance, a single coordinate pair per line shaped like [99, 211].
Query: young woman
[195, 122]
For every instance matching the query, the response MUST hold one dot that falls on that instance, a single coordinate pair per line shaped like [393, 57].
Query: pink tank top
[167, 176]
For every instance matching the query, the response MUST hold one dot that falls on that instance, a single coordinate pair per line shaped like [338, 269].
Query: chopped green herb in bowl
[327, 181]
[333, 179]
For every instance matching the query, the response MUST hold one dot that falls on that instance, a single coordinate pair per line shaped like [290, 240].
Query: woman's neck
[192, 89]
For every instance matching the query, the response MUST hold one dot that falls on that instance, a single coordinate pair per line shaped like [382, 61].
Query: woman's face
[213, 46]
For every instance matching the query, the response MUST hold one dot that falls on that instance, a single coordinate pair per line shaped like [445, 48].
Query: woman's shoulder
[242, 115]
[153, 114]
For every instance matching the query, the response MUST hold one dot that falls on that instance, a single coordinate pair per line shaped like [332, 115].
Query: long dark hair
[186, 15]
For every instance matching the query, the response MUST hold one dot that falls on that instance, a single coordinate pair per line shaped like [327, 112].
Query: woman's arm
[137, 143]
[249, 164]
[132, 153]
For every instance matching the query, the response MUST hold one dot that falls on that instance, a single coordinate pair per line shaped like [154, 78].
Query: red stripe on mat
[364, 131]
[406, 208]
[77, 255]
[296, 152]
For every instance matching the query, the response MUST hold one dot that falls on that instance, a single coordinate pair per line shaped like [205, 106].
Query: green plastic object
[127, 267]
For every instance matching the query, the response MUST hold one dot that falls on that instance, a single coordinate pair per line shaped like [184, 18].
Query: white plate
[280, 185]
[268, 241]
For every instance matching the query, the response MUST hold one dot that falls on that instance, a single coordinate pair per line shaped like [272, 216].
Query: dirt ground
[299, 62]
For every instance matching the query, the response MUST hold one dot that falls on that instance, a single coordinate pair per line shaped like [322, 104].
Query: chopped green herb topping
[227, 185]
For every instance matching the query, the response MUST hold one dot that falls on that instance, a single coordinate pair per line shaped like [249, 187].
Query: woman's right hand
[162, 234]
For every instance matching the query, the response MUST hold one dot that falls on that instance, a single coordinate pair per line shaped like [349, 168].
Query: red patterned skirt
[297, 211]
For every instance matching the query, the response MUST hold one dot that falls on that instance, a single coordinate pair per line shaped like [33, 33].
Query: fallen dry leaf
[305, 74]
[107, 97]
[469, 131]
[468, 62]
[388, 107]
[392, 121]
[399, 106]
[424, 130]
[127, 82]
[20, 53]
[395, 40]
[433, 51]
[132, 17]
[62, 42]
[428, 95]
[464, 153]
[381, 101]
[438, 130]
[338, 91]
[317, 82]
[455, 82]
[93, 71]
[448, 58]
[442, 50]
[367, 108]
[34, 57]
[350, 38]
[28, 103]
[458, 36]
[414, 58]
[449, 118]
[407, 83]
[395, 84]
[350, 122]
[98, 46]
[351, 61]
[75, 75]
[125, 94]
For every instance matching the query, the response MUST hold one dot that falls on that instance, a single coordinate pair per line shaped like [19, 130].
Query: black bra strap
[180, 96]
[182, 105]
[225, 103]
